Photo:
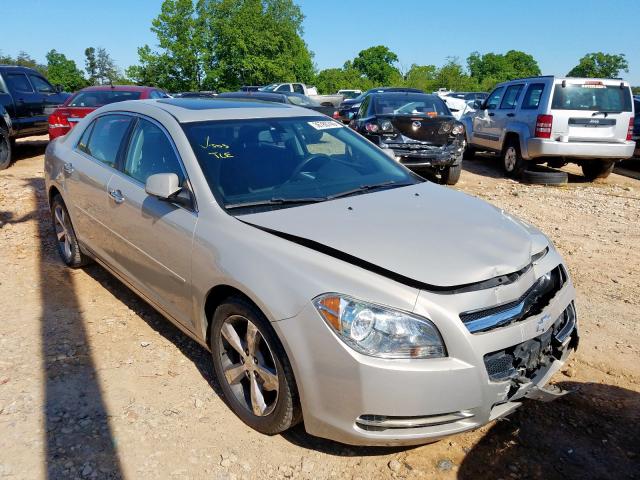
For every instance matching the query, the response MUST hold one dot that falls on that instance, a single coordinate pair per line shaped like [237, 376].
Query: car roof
[269, 96]
[117, 88]
[187, 110]
[19, 67]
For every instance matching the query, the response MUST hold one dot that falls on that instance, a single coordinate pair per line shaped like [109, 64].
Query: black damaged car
[418, 130]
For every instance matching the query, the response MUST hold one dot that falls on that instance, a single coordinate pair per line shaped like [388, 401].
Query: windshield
[270, 88]
[592, 97]
[349, 94]
[410, 104]
[97, 98]
[284, 161]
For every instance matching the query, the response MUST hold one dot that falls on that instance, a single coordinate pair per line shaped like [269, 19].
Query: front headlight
[380, 331]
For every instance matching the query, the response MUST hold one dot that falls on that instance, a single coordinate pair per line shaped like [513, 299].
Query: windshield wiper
[366, 188]
[275, 201]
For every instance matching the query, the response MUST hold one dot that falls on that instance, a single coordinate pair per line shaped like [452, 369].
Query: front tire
[67, 242]
[451, 174]
[252, 368]
[6, 149]
[512, 160]
[595, 169]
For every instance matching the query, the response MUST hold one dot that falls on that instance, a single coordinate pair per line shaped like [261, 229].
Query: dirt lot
[95, 384]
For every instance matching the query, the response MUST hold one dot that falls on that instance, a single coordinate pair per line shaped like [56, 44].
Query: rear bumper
[539, 147]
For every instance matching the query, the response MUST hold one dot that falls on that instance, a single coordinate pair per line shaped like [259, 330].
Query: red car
[85, 101]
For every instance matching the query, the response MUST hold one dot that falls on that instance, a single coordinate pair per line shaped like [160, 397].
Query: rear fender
[522, 131]
[467, 121]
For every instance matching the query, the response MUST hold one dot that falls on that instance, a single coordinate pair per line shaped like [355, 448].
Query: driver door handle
[117, 196]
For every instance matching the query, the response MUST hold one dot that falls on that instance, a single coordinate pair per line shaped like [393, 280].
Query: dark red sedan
[85, 101]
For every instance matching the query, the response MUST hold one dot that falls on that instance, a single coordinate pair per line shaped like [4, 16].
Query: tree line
[224, 44]
[100, 68]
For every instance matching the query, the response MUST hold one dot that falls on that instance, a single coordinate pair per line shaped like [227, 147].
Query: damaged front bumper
[362, 400]
[419, 154]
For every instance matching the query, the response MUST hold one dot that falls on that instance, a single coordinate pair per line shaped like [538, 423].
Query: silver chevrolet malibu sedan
[331, 284]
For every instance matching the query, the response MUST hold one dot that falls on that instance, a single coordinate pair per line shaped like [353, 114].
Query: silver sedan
[330, 283]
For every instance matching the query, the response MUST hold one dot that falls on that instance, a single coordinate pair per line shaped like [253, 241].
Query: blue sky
[556, 33]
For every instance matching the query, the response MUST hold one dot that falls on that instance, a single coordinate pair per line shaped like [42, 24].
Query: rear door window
[18, 82]
[494, 99]
[592, 96]
[532, 97]
[106, 138]
[511, 96]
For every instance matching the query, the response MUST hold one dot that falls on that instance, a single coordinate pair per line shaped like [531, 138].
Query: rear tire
[512, 161]
[66, 240]
[595, 169]
[451, 175]
[242, 365]
[6, 149]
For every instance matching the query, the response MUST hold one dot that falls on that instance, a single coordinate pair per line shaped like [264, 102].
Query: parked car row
[316, 267]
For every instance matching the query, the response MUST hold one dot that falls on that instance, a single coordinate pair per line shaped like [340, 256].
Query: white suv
[556, 121]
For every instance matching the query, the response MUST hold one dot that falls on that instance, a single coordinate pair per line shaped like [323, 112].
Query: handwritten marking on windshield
[217, 146]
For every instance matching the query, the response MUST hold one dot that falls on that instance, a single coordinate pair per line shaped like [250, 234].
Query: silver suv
[556, 121]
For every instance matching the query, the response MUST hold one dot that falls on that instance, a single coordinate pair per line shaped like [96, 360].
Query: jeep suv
[555, 121]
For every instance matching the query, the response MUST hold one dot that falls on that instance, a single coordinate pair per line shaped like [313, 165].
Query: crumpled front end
[412, 153]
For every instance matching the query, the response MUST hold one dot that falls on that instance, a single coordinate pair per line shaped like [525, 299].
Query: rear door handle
[117, 196]
[511, 114]
[68, 168]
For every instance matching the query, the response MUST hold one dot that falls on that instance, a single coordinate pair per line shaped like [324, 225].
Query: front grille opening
[380, 423]
[523, 361]
[532, 302]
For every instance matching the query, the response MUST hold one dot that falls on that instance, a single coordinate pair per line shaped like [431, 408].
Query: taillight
[630, 130]
[58, 124]
[543, 126]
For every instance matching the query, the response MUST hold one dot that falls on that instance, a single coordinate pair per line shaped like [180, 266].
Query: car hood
[427, 233]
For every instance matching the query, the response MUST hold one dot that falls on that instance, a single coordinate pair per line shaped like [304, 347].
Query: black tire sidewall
[451, 174]
[4, 139]
[598, 169]
[77, 258]
[283, 415]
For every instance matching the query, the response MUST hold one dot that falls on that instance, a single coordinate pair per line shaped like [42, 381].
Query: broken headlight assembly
[380, 331]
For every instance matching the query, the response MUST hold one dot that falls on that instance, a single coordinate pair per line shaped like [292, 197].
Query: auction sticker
[325, 125]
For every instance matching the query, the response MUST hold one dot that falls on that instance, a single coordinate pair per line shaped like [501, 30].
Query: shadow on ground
[78, 437]
[592, 433]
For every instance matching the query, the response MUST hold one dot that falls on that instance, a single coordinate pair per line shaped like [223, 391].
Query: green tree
[377, 64]
[64, 72]
[106, 69]
[453, 76]
[600, 65]
[91, 64]
[422, 77]
[492, 68]
[24, 60]
[222, 44]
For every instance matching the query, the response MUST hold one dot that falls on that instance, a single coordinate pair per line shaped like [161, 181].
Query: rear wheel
[6, 149]
[597, 169]
[252, 368]
[67, 242]
[512, 161]
[451, 175]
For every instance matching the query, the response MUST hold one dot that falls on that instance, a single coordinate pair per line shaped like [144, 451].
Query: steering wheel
[324, 158]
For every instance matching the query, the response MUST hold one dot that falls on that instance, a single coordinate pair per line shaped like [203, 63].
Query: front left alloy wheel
[252, 368]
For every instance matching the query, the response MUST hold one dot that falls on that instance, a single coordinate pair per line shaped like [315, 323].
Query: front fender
[6, 119]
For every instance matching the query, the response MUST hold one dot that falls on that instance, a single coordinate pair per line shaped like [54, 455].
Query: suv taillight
[543, 126]
[630, 130]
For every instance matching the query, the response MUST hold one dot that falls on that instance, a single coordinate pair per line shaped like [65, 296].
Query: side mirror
[478, 105]
[58, 88]
[163, 185]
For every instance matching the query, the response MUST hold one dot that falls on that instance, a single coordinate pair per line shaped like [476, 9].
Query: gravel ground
[95, 384]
